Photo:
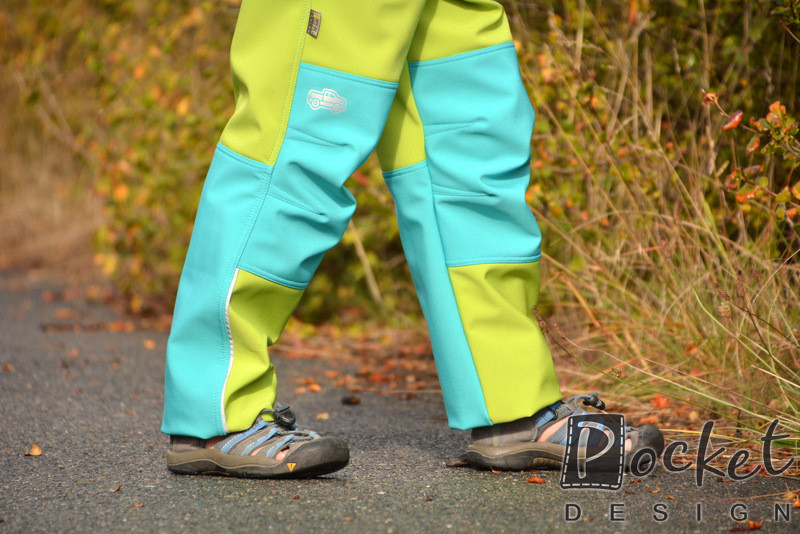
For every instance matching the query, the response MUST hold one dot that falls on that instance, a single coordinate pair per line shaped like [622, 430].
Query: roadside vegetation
[666, 180]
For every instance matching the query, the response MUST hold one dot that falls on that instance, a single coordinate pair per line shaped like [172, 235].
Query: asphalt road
[92, 401]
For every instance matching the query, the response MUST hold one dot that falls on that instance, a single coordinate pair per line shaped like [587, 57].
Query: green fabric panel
[511, 356]
[450, 27]
[257, 313]
[364, 37]
[403, 141]
[265, 57]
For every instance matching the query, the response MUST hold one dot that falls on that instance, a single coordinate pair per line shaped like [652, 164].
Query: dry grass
[635, 280]
[47, 212]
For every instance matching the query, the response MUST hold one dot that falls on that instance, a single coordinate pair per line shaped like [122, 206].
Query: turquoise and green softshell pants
[434, 86]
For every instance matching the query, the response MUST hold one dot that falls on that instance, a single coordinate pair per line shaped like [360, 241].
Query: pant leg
[456, 157]
[314, 82]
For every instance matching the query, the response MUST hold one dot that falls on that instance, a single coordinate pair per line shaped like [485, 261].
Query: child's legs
[309, 109]
[456, 156]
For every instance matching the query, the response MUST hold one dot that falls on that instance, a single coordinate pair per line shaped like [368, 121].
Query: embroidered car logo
[327, 98]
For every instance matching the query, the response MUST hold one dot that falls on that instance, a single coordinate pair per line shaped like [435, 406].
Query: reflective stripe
[230, 341]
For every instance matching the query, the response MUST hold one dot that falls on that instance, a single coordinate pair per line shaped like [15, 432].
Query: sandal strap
[561, 410]
[270, 436]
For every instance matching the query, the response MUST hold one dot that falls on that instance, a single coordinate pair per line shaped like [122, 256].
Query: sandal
[513, 446]
[251, 453]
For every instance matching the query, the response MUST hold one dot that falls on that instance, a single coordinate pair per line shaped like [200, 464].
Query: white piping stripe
[230, 342]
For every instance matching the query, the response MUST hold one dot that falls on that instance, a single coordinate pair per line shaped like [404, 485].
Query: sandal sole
[318, 457]
[543, 455]
[518, 457]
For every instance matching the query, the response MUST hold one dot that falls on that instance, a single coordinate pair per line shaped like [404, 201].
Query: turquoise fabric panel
[335, 122]
[198, 350]
[419, 232]
[478, 123]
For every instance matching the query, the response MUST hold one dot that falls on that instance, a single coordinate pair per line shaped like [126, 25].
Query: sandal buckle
[593, 399]
[284, 416]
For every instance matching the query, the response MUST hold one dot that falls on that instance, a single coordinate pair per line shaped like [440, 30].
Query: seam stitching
[455, 126]
[290, 199]
[263, 273]
[258, 165]
[494, 259]
[395, 173]
[459, 57]
[443, 190]
[303, 137]
[288, 99]
[350, 77]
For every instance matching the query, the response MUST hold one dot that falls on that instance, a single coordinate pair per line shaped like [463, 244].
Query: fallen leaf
[35, 451]
[300, 390]
[653, 491]
[635, 481]
[149, 344]
[8, 368]
[65, 313]
[296, 497]
[457, 462]
[316, 388]
[348, 518]
[428, 498]
[649, 420]
[377, 377]
[323, 416]
[660, 401]
[138, 504]
[537, 480]
[754, 525]
[629, 492]
[351, 400]
[114, 490]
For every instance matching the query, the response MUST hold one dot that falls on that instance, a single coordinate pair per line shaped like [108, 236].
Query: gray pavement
[92, 401]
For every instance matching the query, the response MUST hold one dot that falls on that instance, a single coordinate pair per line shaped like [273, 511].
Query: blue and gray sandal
[513, 446]
[252, 453]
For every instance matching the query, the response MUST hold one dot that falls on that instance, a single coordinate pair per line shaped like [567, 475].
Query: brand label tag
[314, 21]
